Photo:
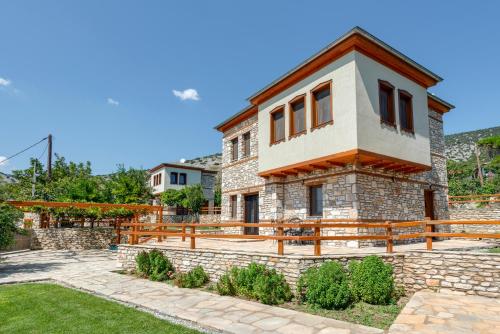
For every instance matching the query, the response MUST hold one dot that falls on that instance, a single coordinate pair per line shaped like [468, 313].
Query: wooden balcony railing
[214, 210]
[189, 230]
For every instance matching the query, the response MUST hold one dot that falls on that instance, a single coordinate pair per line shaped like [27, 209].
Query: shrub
[271, 288]
[244, 278]
[372, 281]
[225, 286]
[326, 286]
[161, 267]
[8, 218]
[192, 279]
[143, 264]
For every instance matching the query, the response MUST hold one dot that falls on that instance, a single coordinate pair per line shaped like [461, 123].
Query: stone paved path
[91, 271]
[432, 313]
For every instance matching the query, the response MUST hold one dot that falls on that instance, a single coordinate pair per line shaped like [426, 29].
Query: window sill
[314, 217]
[409, 131]
[277, 142]
[298, 134]
[384, 122]
[319, 126]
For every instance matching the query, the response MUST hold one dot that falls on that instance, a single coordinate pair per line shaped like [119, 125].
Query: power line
[27, 148]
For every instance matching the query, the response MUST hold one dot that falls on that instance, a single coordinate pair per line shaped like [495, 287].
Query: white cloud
[187, 94]
[4, 82]
[112, 102]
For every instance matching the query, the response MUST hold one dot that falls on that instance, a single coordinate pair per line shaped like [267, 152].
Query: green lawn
[49, 308]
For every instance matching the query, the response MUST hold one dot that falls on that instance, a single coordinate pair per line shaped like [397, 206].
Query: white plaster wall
[339, 137]
[380, 138]
[193, 177]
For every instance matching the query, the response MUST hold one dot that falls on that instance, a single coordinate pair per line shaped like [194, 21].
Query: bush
[326, 286]
[192, 279]
[143, 264]
[271, 288]
[154, 265]
[255, 281]
[8, 218]
[372, 281]
[225, 286]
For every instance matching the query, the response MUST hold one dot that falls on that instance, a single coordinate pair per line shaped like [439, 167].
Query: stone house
[352, 132]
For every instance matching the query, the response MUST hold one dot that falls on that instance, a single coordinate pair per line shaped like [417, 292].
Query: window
[386, 102]
[182, 178]
[298, 115]
[156, 179]
[278, 125]
[316, 200]
[234, 149]
[246, 144]
[405, 111]
[233, 205]
[173, 178]
[321, 104]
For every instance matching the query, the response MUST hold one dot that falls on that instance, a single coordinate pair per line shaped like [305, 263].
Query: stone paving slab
[431, 313]
[92, 271]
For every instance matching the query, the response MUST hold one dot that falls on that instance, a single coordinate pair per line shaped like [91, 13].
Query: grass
[49, 308]
[494, 250]
[379, 316]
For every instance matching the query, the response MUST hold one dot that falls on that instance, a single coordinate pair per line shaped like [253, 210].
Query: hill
[460, 146]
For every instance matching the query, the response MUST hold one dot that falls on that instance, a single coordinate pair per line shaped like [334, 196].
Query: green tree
[8, 218]
[130, 186]
[194, 198]
[173, 197]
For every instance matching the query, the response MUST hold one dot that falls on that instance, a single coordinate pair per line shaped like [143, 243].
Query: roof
[181, 166]
[356, 39]
[438, 104]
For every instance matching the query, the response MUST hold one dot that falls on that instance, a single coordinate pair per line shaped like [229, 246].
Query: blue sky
[100, 75]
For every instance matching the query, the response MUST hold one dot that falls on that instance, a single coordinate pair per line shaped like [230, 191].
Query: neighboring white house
[179, 175]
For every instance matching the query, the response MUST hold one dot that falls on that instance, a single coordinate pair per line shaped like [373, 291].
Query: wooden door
[429, 204]
[252, 213]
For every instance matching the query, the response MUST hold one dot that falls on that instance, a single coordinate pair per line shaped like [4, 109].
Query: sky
[144, 82]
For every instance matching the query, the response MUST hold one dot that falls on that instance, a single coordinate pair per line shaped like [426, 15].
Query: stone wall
[72, 238]
[470, 212]
[210, 219]
[217, 262]
[461, 272]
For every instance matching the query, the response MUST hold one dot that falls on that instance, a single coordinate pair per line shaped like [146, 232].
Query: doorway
[429, 204]
[251, 213]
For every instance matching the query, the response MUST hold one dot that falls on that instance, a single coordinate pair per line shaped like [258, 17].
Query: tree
[8, 218]
[194, 198]
[173, 197]
[130, 186]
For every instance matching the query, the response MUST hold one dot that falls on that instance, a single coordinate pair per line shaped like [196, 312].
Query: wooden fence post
[183, 232]
[280, 241]
[160, 221]
[193, 242]
[118, 227]
[428, 239]
[389, 242]
[136, 229]
[317, 243]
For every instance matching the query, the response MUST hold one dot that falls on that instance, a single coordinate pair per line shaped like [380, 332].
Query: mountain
[6, 178]
[460, 146]
[211, 162]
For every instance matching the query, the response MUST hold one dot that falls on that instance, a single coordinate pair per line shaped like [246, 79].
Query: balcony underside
[356, 156]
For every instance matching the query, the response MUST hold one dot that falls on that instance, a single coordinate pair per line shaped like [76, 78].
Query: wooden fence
[214, 210]
[137, 230]
[481, 198]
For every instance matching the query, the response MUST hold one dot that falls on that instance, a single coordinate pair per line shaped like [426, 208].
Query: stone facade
[462, 272]
[72, 238]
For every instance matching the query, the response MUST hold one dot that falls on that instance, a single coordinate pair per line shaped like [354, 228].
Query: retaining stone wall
[210, 219]
[72, 238]
[462, 272]
[470, 273]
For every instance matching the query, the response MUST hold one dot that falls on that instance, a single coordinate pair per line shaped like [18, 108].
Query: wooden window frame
[386, 85]
[156, 179]
[185, 179]
[310, 187]
[176, 177]
[272, 135]
[245, 152]
[291, 124]
[233, 151]
[233, 206]
[407, 95]
[314, 116]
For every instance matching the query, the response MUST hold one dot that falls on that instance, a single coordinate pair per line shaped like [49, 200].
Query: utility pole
[49, 157]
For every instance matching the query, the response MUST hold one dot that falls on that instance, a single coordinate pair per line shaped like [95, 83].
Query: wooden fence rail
[479, 198]
[135, 230]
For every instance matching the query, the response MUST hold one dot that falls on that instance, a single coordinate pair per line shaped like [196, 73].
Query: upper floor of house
[177, 176]
[356, 101]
